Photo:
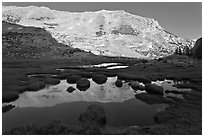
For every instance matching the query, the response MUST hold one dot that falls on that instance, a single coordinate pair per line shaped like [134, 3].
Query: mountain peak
[105, 32]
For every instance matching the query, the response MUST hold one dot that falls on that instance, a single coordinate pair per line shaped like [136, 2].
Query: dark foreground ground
[181, 117]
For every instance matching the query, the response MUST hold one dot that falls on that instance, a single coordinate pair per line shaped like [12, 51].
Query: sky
[183, 19]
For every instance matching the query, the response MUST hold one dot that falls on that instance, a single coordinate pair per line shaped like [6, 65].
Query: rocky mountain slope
[111, 33]
[20, 42]
[197, 49]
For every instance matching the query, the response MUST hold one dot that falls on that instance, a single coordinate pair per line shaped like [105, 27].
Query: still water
[55, 103]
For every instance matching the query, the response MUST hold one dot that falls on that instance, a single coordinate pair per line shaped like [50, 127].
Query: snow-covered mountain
[111, 33]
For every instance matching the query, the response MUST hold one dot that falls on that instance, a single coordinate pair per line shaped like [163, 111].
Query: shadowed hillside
[20, 42]
[197, 49]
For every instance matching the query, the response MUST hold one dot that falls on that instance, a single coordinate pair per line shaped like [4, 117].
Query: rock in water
[119, 83]
[137, 86]
[154, 89]
[99, 78]
[70, 89]
[83, 84]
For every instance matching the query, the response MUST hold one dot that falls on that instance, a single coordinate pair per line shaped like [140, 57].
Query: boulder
[141, 87]
[99, 78]
[71, 79]
[52, 81]
[134, 85]
[70, 89]
[150, 99]
[137, 86]
[9, 96]
[154, 89]
[83, 84]
[118, 83]
[36, 86]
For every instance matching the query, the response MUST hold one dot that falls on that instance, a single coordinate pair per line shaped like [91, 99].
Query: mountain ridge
[104, 32]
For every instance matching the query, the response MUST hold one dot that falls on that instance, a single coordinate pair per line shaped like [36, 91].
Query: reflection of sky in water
[100, 65]
[117, 67]
[107, 92]
[52, 95]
